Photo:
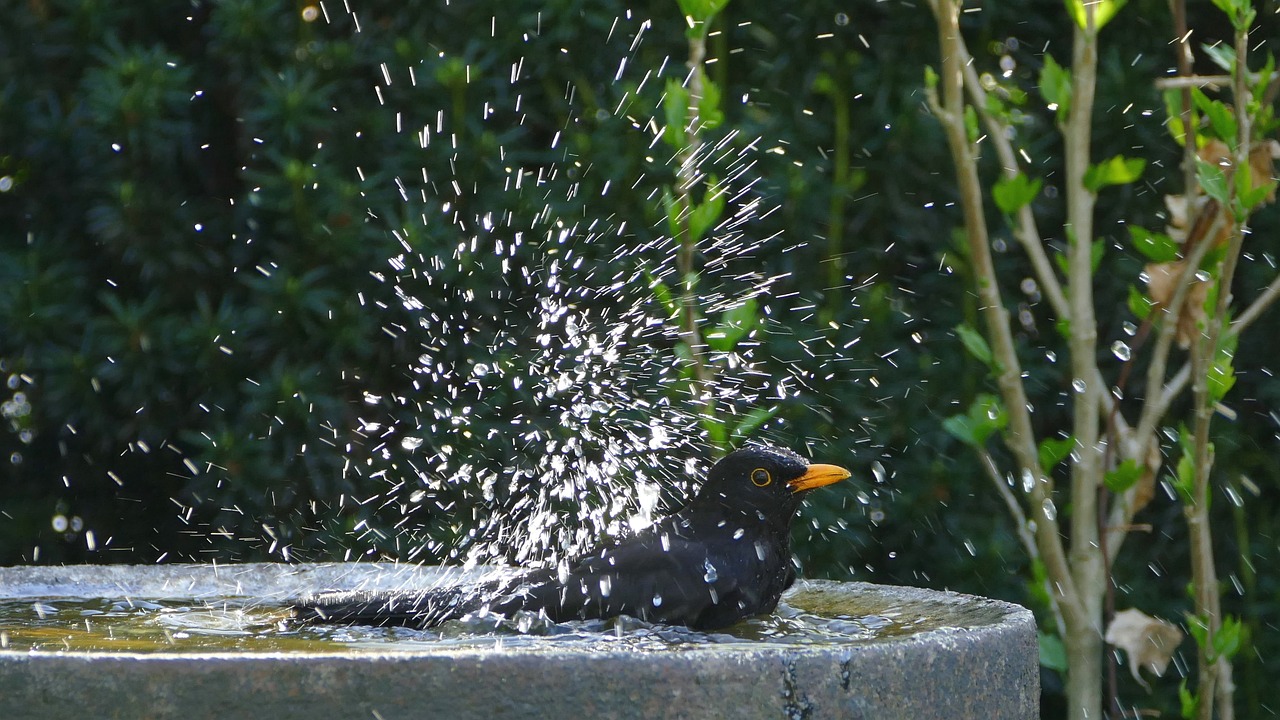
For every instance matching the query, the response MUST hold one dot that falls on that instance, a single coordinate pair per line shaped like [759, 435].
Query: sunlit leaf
[1118, 170]
[1103, 12]
[710, 116]
[675, 107]
[735, 323]
[704, 215]
[1055, 86]
[673, 211]
[1173, 111]
[1011, 194]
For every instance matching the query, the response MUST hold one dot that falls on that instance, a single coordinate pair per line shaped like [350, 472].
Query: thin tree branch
[1021, 436]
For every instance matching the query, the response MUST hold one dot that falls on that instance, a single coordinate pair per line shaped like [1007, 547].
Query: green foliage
[1155, 247]
[1053, 654]
[985, 416]
[1103, 11]
[976, 344]
[1118, 170]
[1055, 87]
[1054, 450]
[1213, 181]
[1122, 477]
[1011, 194]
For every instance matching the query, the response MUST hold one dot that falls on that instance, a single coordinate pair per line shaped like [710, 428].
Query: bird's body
[724, 557]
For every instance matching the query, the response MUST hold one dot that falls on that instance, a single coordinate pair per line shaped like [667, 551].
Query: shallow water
[811, 616]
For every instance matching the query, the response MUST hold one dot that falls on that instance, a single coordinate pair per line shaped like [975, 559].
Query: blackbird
[725, 556]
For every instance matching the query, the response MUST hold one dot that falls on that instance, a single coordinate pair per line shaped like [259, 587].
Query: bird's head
[766, 478]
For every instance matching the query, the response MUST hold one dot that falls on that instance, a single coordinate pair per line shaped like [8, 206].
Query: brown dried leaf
[1162, 283]
[1145, 489]
[1149, 642]
[1262, 165]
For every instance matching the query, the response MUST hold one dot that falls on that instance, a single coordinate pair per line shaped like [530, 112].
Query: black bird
[724, 557]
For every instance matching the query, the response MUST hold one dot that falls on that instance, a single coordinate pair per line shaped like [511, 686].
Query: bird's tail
[413, 608]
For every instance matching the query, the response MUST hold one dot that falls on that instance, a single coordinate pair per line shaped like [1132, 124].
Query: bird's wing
[662, 576]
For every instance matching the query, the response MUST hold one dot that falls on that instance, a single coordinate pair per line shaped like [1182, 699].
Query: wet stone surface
[157, 637]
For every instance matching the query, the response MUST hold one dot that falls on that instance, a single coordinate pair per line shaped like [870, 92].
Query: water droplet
[1028, 481]
[1051, 356]
[1079, 385]
[410, 443]
[710, 575]
[606, 585]
[737, 534]
[1050, 510]
[1129, 328]
[657, 600]
[1120, 350]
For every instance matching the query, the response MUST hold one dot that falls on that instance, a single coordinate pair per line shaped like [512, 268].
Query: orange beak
[818, 475]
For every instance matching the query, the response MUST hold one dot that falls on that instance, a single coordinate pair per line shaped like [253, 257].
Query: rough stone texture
[988, 671]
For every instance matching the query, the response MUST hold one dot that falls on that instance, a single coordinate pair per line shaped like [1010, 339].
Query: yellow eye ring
[761, 477]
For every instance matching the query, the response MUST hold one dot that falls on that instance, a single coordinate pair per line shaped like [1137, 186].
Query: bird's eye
[760, 477]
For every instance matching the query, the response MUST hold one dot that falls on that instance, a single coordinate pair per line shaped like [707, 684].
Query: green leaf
[1139, 304]
[663, 295]
[1249, 197]
[701, 11]
[1103, 12]
[752, 421]
[1055, 450]
[1241, 12]
[710, 116]
[1011, 194]
[1173, 111]
[1119, 170]
[930, 78]
[985, 416]
[1221, 54]
[673, 211]
[717, 433]
[1227, 641]
[1156, 247]
[1122, 477]
[1096, 253]
[1053, 654]
[735, 323]
[1222, 119]
[1188, 701]
[975, 344]
[706, 214]
[1212, 180]
[1221, 377]
[1055, 87]
[675, 106]
[972, 129]
[699, 14]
